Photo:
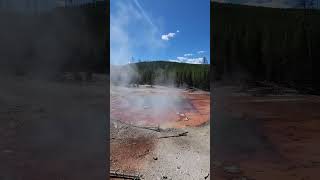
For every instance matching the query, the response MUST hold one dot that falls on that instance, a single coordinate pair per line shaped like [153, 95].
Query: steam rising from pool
[155, 101]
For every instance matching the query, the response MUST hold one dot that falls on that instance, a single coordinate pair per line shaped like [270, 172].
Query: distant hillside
[164, 73]
[278, 45]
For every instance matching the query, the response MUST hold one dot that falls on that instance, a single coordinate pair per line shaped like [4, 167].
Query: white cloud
[168, 36]
[174, 60]
[198, 60]
[182, 58]
[194, 61]
[188, 54]
[201, 52]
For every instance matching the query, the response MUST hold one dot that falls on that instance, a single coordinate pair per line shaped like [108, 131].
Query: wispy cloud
[201, 52]
[182, 58]
[198, 60]
[143, 12]
[188, 54]
[124, 16]
[168, 36]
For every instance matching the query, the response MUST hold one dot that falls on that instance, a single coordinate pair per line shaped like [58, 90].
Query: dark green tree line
[266, 44]
[169, 73]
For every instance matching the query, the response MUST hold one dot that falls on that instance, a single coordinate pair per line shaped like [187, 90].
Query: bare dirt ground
[270, 137]
[138, 149]
[51, 130]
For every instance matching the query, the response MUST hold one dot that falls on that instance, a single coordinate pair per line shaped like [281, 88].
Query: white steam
[133, 29]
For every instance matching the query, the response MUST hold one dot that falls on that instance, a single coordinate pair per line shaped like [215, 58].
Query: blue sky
[172, 30]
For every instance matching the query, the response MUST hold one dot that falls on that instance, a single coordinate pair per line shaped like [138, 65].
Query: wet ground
[265, 137]
[143, 123]
[160, 106]
[52, 130]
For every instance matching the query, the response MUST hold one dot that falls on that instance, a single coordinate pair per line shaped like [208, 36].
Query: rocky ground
[52, 130]
[265, 137]
[178, 147]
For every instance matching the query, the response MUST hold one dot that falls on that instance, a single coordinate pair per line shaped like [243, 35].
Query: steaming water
[142, 106]
[160, 103]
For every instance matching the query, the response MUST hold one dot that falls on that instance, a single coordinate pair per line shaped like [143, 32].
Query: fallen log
[123, 176]
[178, 135]
[157, 129]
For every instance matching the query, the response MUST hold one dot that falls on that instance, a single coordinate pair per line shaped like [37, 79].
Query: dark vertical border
[212, 65]
[107, 56]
